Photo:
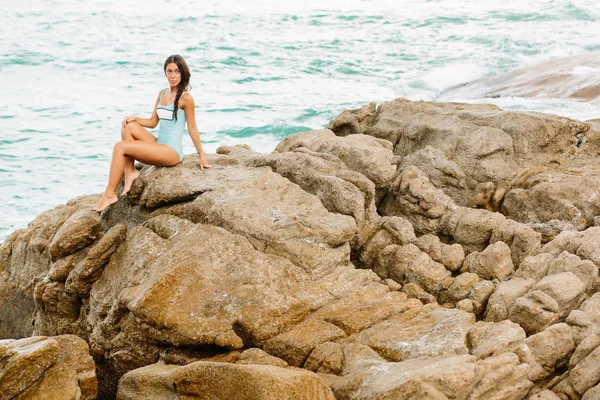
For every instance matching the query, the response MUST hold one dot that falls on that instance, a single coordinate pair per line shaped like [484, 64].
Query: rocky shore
[411, 250]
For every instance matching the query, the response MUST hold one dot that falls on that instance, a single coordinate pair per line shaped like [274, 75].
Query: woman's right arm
[145, 122]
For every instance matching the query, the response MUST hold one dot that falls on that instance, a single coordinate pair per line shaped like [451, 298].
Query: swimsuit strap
[164, 91]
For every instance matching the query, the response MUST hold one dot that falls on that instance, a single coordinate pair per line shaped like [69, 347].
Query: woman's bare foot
[129, 178]
[105, 201]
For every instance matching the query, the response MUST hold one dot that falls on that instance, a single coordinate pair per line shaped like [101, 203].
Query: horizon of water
[71, 70]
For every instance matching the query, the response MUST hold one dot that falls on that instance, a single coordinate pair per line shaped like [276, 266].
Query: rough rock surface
[39, 367]
[411, 250]
[222, 381]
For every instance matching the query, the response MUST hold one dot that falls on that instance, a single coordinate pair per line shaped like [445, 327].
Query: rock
[592, 394]
[493, 263]
[585, 270]
[544, 395]
[585, 321]
[480, 295]
[79, 230]
[411, 265]
[424, 377]
[202, 380]
[451, 256]
[279, 217]
[587, 345]
[25, 260]
[414, 198]
[534, 267]
[430, 333]
[41, 367]
[414, 291]
[472, 228]
[503, 298]
[487, 145]
[546, 351]
[85, 273]
[563, 78]
[501, 377]
[260, 357]
[486, 339]
[296, 345]
[461, 288]
[584, 376]
[535, 311]
[548, 300]
[370, 156]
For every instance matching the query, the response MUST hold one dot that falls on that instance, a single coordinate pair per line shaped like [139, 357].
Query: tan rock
[461, 287]
[414, 266]
[49, 368]
[566, 288]
[212, 380]
[279, 218]
[522, 240]
[480, 295]
[472, 228]
[585, 270]
[260, 357]
[369, 156]
[176, 295]
[424, 377]
[414, 198]
[79, 230]
[494, 262]
[592, 394]
[546, 351]
[585, 321]
[486, 339]
[501, 377]
[451, 256]
[414, 291]
[587, 345]
[544, 395]
[504, 296]
[295, 346]
[535, 311]
[534, 267]
[80, 279]
[582, 377]
[430, 333]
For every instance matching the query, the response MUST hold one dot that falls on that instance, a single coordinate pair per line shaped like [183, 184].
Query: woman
[173, 108]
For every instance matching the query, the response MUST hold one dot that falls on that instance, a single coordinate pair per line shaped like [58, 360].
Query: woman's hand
[203, 163]
[127, 120]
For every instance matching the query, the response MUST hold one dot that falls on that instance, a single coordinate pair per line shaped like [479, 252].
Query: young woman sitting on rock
[174, 107]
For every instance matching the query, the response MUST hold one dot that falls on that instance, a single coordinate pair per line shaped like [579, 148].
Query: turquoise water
[70, 70]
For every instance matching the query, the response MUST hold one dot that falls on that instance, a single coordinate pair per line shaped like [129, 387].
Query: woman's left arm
[187, 104]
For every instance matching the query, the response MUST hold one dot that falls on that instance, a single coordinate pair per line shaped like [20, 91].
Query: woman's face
[173, 74]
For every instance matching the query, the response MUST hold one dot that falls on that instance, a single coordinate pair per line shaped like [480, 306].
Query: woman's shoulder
[186, 97]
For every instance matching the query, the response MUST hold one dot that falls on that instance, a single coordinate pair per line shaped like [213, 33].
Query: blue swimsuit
[170, 130]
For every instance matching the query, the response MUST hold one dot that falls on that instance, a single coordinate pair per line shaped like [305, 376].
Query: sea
[70, 70]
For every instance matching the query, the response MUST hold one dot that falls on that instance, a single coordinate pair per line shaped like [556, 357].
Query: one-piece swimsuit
[170, 130]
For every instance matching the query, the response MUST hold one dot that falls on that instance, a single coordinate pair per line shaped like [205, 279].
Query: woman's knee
[119, 148]
[126, 132]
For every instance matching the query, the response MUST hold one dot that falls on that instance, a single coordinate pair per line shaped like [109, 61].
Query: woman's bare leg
[149, 153]
[133, 131]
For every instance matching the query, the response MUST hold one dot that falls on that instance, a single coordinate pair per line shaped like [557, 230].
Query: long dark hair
[185, 78]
